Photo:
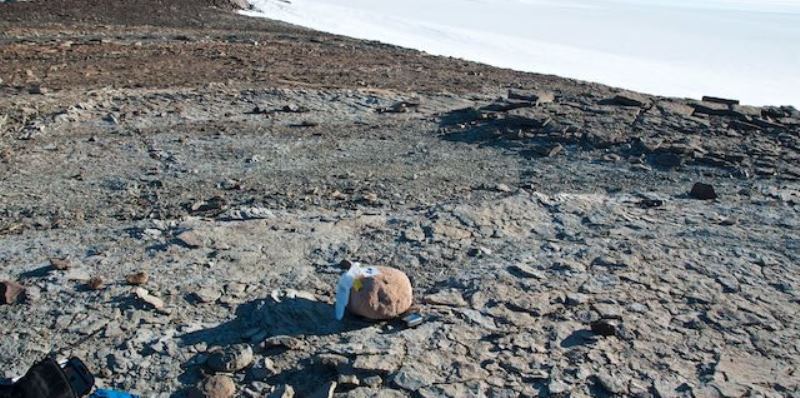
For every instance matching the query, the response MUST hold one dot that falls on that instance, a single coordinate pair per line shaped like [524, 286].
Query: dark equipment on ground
[48, 379]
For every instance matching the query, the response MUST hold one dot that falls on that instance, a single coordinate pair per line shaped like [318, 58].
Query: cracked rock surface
[549, 227]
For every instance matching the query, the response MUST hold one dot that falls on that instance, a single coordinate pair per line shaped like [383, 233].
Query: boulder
[383, 296]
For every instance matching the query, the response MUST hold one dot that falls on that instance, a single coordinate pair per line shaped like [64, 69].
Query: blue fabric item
[101, 393]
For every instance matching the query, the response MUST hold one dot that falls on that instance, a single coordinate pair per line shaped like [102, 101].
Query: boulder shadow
[295, 317]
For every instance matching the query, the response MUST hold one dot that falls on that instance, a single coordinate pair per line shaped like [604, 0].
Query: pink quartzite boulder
[384, 296]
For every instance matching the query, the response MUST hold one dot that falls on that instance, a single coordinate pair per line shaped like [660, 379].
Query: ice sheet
[743, 49]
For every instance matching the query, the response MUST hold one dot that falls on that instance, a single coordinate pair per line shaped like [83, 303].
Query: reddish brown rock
[10, 292]
[95, 283]
[218, 386]
[139, 278]
[384, 296]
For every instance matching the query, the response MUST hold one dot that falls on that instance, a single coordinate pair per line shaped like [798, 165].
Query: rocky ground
[180, 191]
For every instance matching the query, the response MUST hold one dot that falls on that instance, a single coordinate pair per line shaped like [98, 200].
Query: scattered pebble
[10, 292]
[230, 359]
[146, 297]
[61, 264]
[137, 279]
[95, 283]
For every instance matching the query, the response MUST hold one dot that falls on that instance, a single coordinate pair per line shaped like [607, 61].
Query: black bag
[46, 379]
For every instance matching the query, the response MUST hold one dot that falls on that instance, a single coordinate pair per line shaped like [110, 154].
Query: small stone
[377, 363]
[611, 383]
[145, 296]
[231, 359]
[349, 381]
[137, 279]
[525, 271]
[332, 360]
[288, 342]
[372, 381]
[207, 294]
[282, 391]
[262, 370]
[702, 191]
[607, 311]
[576, 298]
[10, 292]
[557, 387]
[95, 283]
[451, 297]
[217, 386]
[61, 264]
[33, 294]
[502, 188]
[39, 90]
[604, 327]
[189, 239]
[626, 99]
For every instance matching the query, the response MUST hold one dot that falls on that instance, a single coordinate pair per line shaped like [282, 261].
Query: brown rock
[10, 292]
[217, 386]
[61, 264]
[95, 283]
[384, 296]
[139, 278]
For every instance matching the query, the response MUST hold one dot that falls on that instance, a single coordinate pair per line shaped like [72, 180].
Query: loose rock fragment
[95, 283]
[217, 386]
[137, 279]
[703, 191]
[611, 383]
[61, 264]
[283, 341]
[10, 292]
[626, 99]
[189, 239]
[604, 327]
[349, 381]
[39, 90]
[145, 296]
[450, 297]
[283, 391]
[207, 294]
[231, 359]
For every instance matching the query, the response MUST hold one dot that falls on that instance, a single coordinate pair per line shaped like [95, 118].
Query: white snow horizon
[743, 49]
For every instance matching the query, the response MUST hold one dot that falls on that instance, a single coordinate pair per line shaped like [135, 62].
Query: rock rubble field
[182, 228]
